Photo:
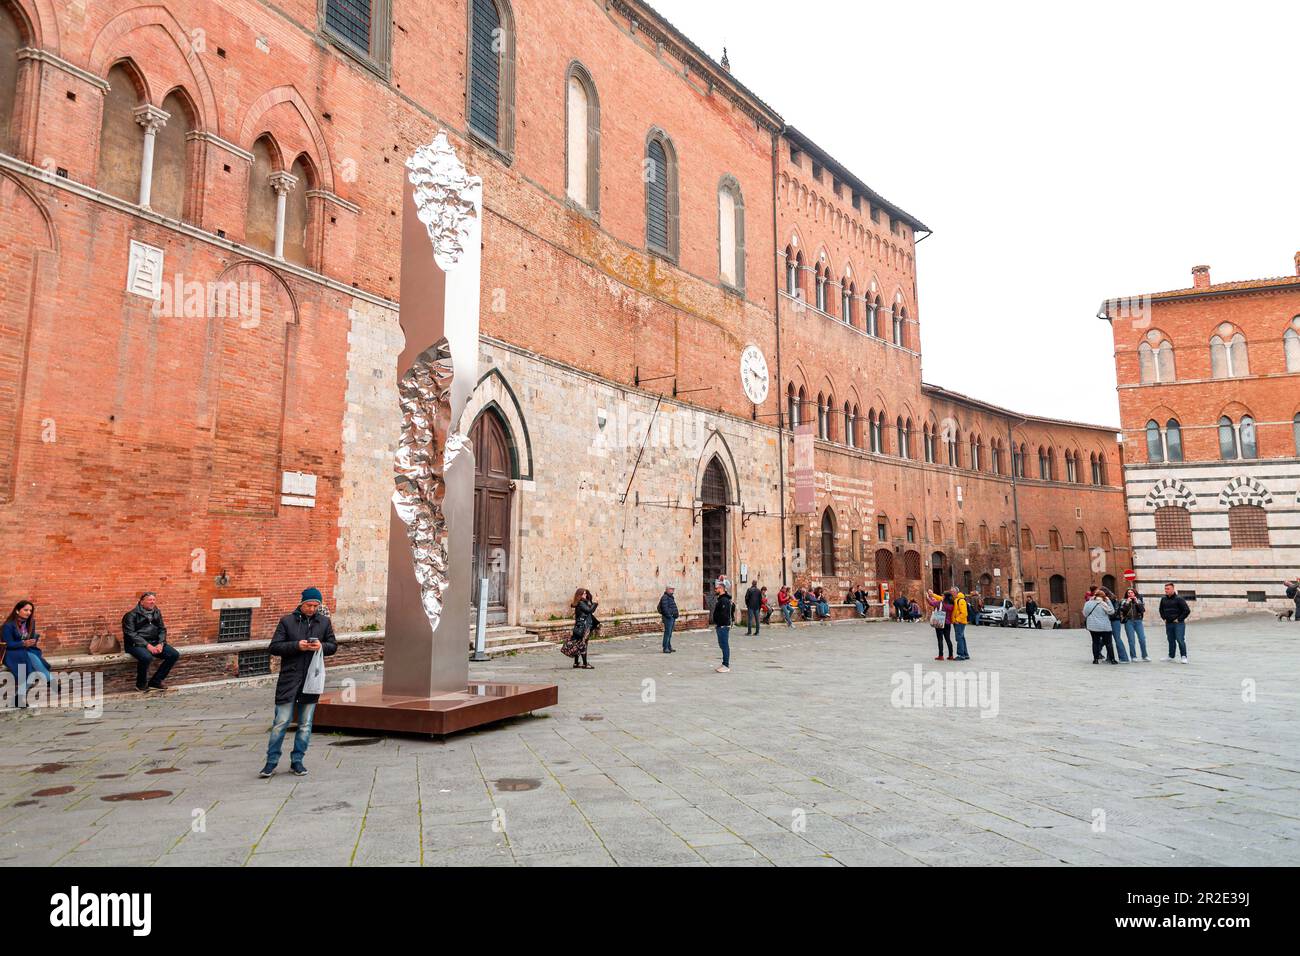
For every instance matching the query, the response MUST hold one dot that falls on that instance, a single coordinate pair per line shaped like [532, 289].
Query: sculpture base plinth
[480, 703]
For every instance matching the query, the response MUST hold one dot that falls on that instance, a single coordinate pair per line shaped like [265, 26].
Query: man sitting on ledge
[144, 637]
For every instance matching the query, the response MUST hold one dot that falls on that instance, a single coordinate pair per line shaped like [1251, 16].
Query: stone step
[511, 648]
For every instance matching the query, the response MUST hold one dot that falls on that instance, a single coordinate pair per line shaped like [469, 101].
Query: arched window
[1056, 589]
[1291, 344]
[884, 564]
[905, 449]
[259, 226]
[490, 76]
[1173, 528]
[1156, 363]
[1155, 445]
[900, 437]
[12, 39]
[731, 233]
[828, 542]
[927, 440]
[121, 136]
[954, 449]
[912, 565]
[823, 419]
[1247, 526]
[1026, 540]
[984, 536]
[1229, 359]
[873, 317]
[1071, 467]
[169, 191]
[1054, 540]
[1295, 432]
[823, 278]
[1227, 439]
[900, 319]
[792, 405]
[583, 142]
[660, 195]
[846, 300]
[850, 431]
[791, 272]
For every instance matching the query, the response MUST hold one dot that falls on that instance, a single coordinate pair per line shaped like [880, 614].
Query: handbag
[315, 682]
[938, 619]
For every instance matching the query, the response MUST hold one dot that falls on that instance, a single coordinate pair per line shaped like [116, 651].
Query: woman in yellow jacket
[960, 618]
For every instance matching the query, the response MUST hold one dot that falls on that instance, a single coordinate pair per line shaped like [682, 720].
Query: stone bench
[207, 663]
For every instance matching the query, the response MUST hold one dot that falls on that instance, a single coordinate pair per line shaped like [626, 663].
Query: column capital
[282, 182]
[151, 117]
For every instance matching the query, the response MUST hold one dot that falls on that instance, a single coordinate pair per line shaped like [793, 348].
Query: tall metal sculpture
[426, 664]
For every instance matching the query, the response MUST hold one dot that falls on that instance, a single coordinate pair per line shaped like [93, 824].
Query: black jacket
[753, 598]
[1132, 610]
[724, 611]
[141, 627]
[1174, 609]
[668, 606]
[584, 618]
[295, 627]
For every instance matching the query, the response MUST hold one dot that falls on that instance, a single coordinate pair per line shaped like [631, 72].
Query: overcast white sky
[1062, 154]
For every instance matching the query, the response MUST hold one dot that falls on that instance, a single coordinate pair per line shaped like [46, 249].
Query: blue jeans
[301, 740]
[752, 621]
[1116, 630]
[862, 611]
[1176, 632]
[35, 667]
[823, 610]
[960, 629]
[724, 630]
[668, 632]
[1129, 628]
[787, 612]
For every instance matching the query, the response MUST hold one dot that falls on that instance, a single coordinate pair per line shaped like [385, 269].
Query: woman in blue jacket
[22, 656]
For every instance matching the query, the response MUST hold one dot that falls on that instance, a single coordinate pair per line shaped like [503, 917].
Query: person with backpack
[669, 614]
[723, 616]
[1097, 612]
[960, 618]
[1174, 611]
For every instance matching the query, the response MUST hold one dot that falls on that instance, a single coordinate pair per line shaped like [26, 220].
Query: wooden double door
[493, 494]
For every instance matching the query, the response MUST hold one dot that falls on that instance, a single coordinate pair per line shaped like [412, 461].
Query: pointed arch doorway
[493, 494]
[715, 493]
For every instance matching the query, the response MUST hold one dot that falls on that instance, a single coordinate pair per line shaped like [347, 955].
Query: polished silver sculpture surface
[432, 524]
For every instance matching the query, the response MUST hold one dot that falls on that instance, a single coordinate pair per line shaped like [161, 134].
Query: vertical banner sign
[805, 497]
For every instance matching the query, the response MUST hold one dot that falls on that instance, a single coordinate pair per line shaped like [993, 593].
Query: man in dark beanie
[144, 637]
[302, 640]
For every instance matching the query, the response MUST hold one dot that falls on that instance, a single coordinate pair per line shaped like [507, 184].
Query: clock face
[753, 374]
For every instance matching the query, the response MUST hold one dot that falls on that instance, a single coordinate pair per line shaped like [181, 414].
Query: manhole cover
[53, 791]
[516, 784]
[359, 742]
[164, 770]
[136, 795]
[50, 768]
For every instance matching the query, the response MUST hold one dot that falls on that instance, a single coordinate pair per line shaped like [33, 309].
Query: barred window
[884, 564]
[362, 26]
[490, 77]
[912, 565]
[660, 174]
[1173, 528]
[1248, 526]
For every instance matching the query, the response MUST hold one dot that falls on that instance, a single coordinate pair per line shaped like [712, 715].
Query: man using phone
[298, 637]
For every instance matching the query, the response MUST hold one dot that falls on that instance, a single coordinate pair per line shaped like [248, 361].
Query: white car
[1046, 619]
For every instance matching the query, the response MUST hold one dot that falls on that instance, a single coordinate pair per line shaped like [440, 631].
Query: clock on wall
[753, 374]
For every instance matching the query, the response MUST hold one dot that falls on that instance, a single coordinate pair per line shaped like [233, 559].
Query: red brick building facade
[198, 271]
[1209, 389]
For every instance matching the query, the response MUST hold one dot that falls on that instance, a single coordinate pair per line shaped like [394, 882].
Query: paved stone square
[797, 757]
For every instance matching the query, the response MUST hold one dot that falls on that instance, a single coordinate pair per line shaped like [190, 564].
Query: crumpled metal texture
[445, 198]
[424, 451]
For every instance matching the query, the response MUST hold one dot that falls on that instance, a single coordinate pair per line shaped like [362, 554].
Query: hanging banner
[805, 493]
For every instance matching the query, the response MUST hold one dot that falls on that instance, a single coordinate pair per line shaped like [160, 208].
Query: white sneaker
[1184, 658]
[1169, 660]
[724, 670]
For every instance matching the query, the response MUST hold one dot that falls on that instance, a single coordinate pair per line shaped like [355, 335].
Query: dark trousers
[944, 634]
[724, 632]
[1102, 639]
[166, 659]
[1175, 632]
[668, 632]
[752, 622]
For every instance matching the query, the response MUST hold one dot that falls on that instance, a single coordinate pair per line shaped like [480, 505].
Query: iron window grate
[350, 19]
[236, 624]
[254, 663]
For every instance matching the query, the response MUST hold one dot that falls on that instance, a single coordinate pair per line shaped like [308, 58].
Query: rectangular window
[1028, 585]
[1255, 597]
[911, 534]
[485, 71]
[362, 27]
[880, 531]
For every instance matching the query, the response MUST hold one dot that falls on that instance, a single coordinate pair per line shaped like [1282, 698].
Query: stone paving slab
[801, 756]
